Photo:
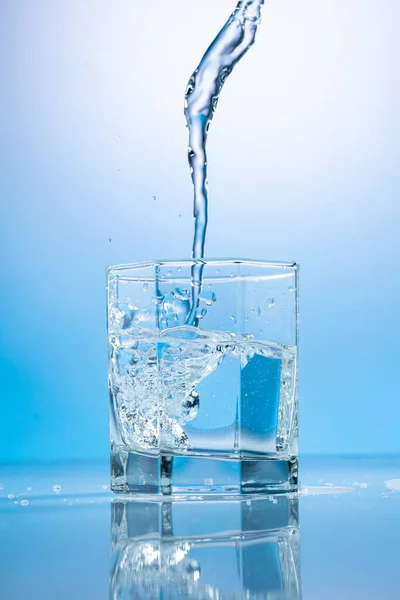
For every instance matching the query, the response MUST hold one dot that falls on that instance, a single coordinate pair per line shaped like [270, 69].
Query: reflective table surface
[63, 535]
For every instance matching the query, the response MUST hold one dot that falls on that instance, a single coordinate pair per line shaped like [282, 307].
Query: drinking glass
[203, 378]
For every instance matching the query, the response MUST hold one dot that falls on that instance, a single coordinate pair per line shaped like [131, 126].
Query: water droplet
[169, 273]
[231, 274]
[179, 269]
[10, 496]
[29, 489]
[104, 487]
[291, 288]
[180, 215]
[24, 503]
[154, 197]
[201, 313]
[232, 318]
[208, 298]
[56, 488]
[258, 311]
[145, 287]
[271, 302]
[109, 239]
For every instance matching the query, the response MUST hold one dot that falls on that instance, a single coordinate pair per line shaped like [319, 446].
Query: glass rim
[204, 261]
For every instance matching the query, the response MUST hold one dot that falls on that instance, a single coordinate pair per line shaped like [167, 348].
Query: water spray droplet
[208, 298]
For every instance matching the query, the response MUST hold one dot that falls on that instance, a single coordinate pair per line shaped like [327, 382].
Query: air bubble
[169, 273]
[158, 299]
[271, 302]
[145, 287]
[154, 198]
[291, 288]
[201, 313]
[258, 311]
[109, 239]
[24, 503]
[181, 293]
[179, 269]
[56, 489]
[11, 496]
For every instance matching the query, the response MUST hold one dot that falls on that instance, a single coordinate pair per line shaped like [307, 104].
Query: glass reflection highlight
[202, 550]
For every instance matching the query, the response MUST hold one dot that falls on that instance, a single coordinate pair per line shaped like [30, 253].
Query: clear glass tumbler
[203, 380]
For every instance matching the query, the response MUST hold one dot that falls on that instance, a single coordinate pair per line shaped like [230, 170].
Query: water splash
[201, 99]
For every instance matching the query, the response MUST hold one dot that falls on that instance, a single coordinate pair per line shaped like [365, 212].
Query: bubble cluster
[154, 379]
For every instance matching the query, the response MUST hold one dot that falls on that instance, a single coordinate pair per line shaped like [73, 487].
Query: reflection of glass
[206, 550]
[206, 405]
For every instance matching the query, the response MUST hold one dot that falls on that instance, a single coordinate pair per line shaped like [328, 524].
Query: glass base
[166, 475]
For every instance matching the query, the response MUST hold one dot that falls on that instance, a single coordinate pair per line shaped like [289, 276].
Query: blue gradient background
[303, 165]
